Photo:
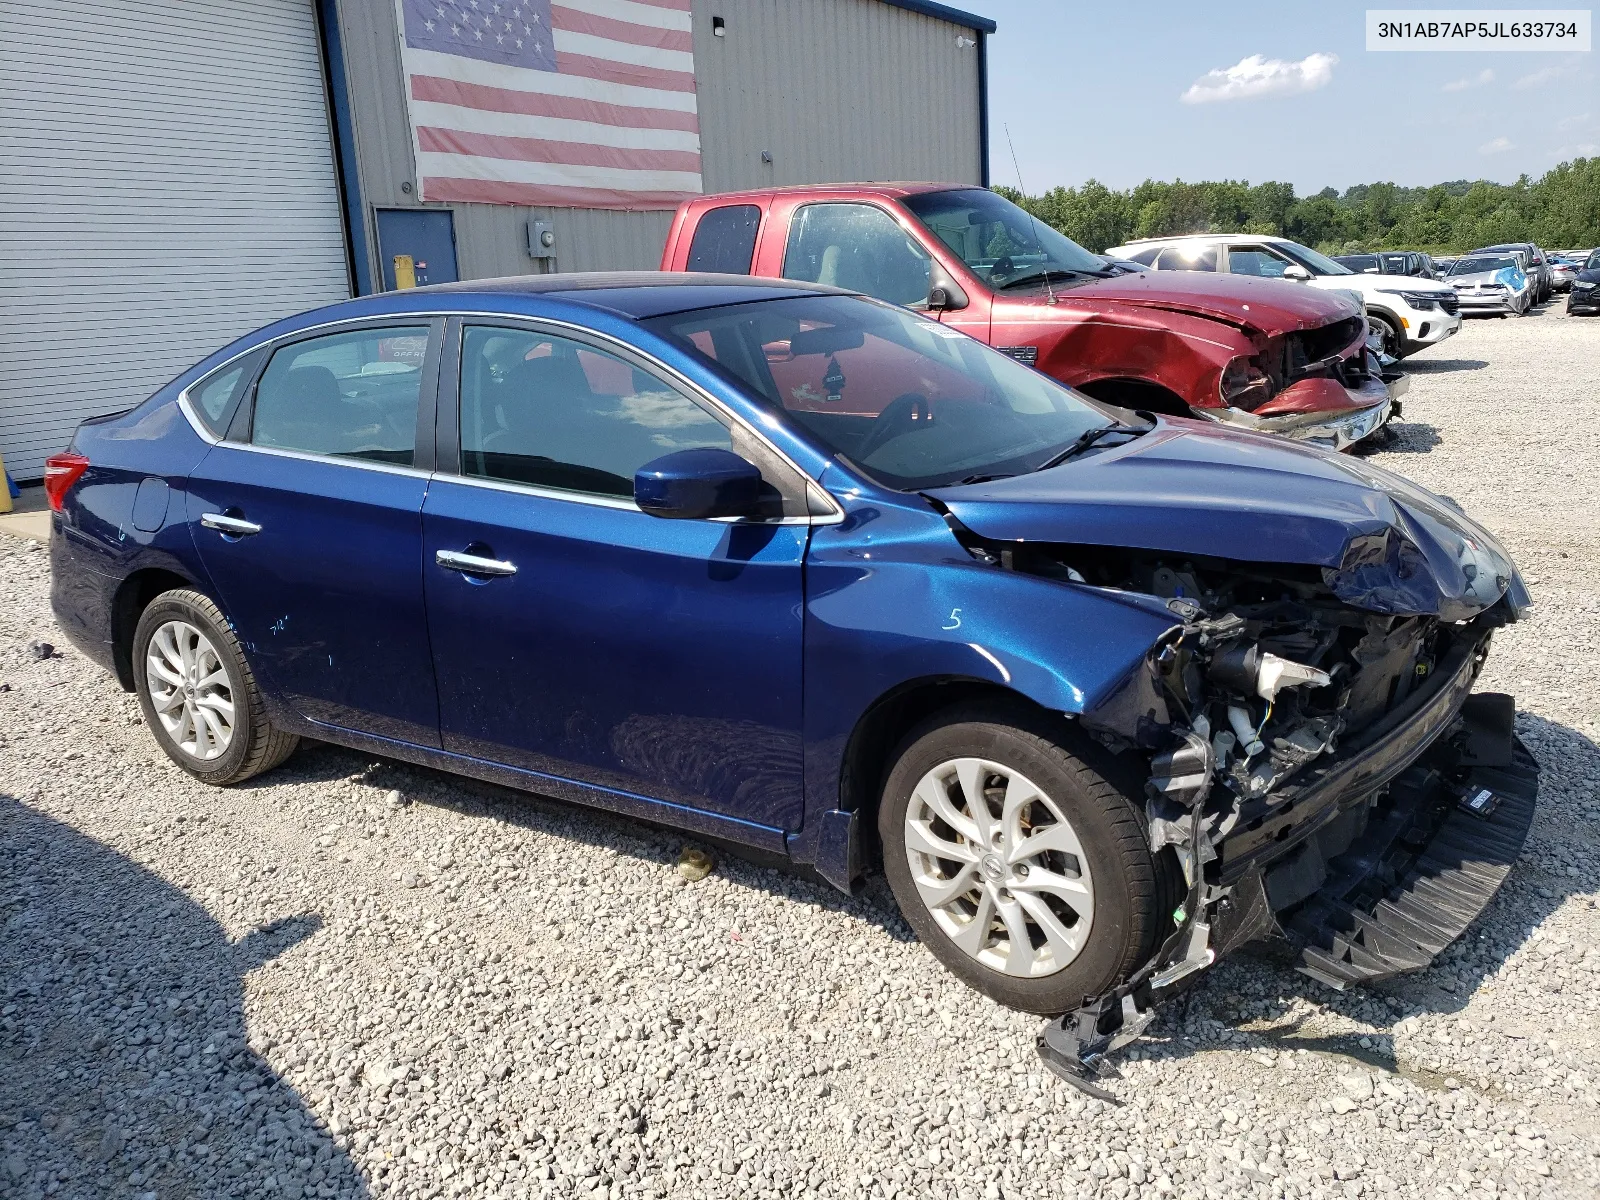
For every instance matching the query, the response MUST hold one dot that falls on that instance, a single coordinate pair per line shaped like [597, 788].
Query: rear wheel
[1021, 867]
[198, 695]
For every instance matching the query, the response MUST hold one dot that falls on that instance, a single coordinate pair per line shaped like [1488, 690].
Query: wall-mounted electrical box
[541, 240]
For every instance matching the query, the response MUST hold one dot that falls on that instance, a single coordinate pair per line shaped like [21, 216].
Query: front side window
[725, 240]
[1317, 264]
[911, 403]
[551, 412]
[1256, 260]
[353, 395]
[859, 247]
[1002, 244]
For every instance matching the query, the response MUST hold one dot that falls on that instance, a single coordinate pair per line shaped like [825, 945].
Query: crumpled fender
[878, 619]
[1318, 395]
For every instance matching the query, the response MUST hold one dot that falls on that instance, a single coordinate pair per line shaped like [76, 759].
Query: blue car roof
[633, 294]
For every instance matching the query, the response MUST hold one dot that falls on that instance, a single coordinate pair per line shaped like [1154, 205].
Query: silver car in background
[1495, 284]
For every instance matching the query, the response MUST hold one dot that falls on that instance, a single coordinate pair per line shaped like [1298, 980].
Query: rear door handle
[232, 526]
[473, 564]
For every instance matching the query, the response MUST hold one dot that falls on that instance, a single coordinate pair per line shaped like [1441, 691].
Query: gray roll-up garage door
[166, 184]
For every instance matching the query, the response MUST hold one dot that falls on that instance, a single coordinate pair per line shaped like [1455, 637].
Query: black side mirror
[693, 485]
[944, 293]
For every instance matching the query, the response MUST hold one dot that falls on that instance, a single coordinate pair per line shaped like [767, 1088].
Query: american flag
[578, 104]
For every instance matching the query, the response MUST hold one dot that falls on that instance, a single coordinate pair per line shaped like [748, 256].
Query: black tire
[1393, 344]
[255, 745]
[1134, 892]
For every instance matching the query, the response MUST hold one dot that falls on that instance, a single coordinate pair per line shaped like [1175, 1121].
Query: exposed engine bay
[1283, 727]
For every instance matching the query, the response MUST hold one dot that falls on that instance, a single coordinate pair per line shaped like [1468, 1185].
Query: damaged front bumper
[1370, 861]
[1379, 401]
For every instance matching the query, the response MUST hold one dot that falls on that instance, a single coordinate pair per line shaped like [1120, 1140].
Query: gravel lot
[352, 976]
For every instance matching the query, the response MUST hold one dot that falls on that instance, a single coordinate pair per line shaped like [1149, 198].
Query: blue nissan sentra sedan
[1105, 694]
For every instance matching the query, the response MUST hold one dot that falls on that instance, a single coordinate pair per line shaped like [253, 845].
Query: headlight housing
[1422, 301]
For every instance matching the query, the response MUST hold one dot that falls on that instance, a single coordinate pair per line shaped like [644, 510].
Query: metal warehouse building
[179, 173]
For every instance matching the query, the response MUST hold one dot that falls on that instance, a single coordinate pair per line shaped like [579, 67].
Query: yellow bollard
[5, 489]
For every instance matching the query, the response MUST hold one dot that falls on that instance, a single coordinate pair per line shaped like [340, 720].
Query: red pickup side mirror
[944, 293]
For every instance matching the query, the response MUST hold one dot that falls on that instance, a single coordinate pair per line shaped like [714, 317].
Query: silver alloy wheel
[189, 690]
[999, 867]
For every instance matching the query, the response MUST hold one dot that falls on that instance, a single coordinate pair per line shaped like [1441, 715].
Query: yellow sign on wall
[405, 271]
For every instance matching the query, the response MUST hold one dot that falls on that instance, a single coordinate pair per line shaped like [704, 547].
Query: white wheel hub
[189, 690]
[999, 867]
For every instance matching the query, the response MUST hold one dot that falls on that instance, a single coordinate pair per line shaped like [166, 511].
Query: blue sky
[1092, 90]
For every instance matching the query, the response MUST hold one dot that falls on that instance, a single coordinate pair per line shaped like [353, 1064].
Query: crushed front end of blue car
[1317, 762]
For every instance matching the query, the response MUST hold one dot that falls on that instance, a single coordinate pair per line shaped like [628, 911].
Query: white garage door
[166, 184]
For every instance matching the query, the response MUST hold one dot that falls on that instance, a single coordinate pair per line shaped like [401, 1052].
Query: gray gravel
[354, 976]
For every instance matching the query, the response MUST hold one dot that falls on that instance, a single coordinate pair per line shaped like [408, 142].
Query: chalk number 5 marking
[955, 620]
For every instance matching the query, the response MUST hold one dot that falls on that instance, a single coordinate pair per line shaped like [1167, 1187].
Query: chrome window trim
[518, 319]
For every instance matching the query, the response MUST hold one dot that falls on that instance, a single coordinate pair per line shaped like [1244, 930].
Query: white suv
[1408, 314]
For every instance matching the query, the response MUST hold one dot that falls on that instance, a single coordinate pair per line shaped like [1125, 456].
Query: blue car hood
[1384, 544]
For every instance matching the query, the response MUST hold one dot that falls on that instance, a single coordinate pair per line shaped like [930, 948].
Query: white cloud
[1573, 122]
[1256, 76]
[1471, 81]
[1545, 75]
[1581, 150]
[1496, 146]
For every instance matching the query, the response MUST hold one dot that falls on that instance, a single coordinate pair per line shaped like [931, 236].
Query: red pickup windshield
[909, 402]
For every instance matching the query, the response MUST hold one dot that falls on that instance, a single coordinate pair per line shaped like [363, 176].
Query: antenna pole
[1034, 221]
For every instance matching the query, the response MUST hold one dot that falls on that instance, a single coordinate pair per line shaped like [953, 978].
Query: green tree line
[1559, 210]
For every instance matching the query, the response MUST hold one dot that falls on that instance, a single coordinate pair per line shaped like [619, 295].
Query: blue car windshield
[908, 402]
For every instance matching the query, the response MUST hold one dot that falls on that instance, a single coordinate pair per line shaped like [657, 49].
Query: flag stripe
[572, 20]
[543, 150]
[493, 100]
[550, 83]
[489, 191]
[636, 13]
[472, 166]
[621, 53]
[612, 71]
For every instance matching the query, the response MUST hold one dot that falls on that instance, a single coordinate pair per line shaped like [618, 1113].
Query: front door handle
[473, 564]
[231, 526]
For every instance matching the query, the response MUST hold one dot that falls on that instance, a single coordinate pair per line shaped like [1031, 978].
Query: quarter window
[858, 247]
[348, 394]
[725, 239]
[213, 400]
[555, 413]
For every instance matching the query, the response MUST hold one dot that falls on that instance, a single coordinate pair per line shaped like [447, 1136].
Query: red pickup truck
[1259, 353]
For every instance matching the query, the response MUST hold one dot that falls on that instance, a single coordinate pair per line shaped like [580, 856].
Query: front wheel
[1021, 867]
[1385, 330]
[198, 694]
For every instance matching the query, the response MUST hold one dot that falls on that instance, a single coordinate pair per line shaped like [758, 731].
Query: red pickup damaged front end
[1258, 353]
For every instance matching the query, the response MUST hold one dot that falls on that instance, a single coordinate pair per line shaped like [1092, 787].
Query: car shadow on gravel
[1442, 366]
[1404, 437]
[124, 1067]
[533, 812]
[1255, 990]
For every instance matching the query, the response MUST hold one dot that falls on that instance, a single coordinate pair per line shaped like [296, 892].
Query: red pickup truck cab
[1259, 353]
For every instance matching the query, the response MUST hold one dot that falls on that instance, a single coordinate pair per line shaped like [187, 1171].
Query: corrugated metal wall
[834, 89]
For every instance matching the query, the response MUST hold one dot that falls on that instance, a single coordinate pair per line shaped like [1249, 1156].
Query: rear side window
[353, 395]
[1145, 257]
[215, 398]
[725, 240]
[1188, 258]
